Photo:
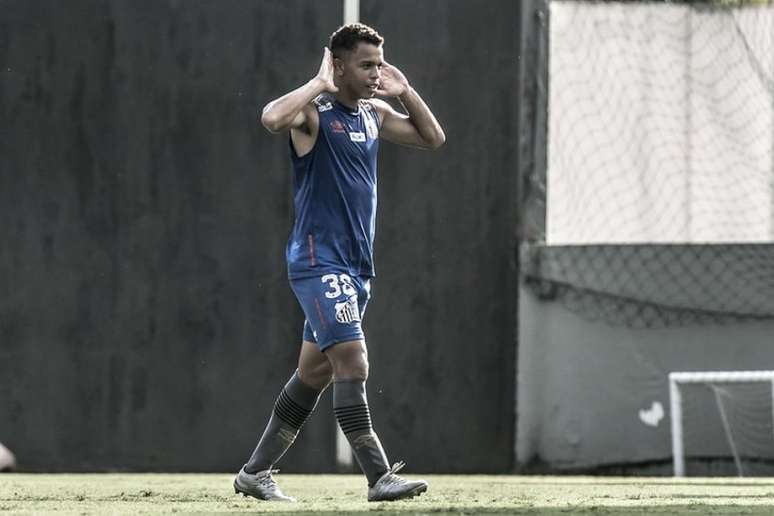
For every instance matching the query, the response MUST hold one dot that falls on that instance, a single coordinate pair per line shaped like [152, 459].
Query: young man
[335, 124]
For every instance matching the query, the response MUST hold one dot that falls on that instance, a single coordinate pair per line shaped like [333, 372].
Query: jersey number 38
[338, 284]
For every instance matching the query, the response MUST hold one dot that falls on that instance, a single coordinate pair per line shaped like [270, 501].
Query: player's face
[360, 70]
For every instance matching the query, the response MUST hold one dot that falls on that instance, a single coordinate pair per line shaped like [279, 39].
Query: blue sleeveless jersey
[335, 194]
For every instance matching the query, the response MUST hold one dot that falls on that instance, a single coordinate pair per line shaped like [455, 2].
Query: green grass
[345, 494]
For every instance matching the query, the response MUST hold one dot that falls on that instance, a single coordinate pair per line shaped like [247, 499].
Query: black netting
[655, 285]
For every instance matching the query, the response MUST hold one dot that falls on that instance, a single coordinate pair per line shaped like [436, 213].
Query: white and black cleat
[260, 485]
[393, 487]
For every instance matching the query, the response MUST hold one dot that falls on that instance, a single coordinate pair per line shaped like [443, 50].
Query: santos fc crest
[347, 311]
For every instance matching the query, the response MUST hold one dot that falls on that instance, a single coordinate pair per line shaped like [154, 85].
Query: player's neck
[347, 100]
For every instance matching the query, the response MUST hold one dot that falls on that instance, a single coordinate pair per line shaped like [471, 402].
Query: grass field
[345, 494]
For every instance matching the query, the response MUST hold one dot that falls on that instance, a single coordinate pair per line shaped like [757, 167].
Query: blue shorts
[334, 305]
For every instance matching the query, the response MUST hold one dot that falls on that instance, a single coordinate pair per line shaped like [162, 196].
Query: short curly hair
[347, 37]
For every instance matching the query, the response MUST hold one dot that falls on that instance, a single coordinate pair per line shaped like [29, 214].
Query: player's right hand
[325, 75]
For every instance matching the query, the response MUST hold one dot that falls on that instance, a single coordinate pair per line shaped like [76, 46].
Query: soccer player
[335, 124]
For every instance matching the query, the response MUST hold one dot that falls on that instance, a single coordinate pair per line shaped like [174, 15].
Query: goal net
[717, 416]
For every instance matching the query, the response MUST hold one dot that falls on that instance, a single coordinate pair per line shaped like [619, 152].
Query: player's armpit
[306, 120]
[304, 129]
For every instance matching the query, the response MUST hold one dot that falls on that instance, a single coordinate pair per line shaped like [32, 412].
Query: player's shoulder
[322, 103]
[375, 104]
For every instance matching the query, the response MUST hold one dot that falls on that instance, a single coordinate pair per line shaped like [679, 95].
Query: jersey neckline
[346, 109]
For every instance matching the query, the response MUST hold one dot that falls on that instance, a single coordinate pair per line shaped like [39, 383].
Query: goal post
[678, 378]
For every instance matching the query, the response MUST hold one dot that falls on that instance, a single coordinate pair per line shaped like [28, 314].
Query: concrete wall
[145, 318]
[582, 385]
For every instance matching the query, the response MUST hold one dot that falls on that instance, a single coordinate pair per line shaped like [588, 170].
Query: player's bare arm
[294, 110]
[419, 127]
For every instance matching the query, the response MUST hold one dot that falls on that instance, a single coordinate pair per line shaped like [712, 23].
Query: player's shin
[291, 410]
[351, 407]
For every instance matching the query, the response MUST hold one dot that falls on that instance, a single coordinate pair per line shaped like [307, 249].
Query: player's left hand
[392, 82]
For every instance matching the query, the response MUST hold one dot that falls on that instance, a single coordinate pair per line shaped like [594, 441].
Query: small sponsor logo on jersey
[338, 127]
[371, 130]
[324, 107]
[347, 312]
[357, 137]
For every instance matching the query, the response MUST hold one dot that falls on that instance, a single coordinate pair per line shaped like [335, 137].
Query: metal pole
[344, 459]
[351, 11]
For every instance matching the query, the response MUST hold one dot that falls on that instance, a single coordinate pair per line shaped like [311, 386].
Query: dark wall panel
[145, 318]
[442, 321]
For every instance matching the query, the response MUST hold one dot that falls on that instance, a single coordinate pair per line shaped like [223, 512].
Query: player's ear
[338, 66]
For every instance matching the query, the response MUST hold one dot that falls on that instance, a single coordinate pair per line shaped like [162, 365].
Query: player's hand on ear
[392, 82]
[325, 75]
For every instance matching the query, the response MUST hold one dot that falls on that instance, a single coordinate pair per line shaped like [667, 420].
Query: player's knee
[317, 377]
[349, 360]
[354, 368]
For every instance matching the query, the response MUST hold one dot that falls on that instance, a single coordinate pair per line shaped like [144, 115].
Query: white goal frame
[678, 378]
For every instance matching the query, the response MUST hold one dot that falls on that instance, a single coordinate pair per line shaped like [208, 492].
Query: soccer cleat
[261, 486]
[392, 487]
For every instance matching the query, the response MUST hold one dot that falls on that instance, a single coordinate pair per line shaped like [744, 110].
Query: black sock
[293, 406]
[354, 417]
